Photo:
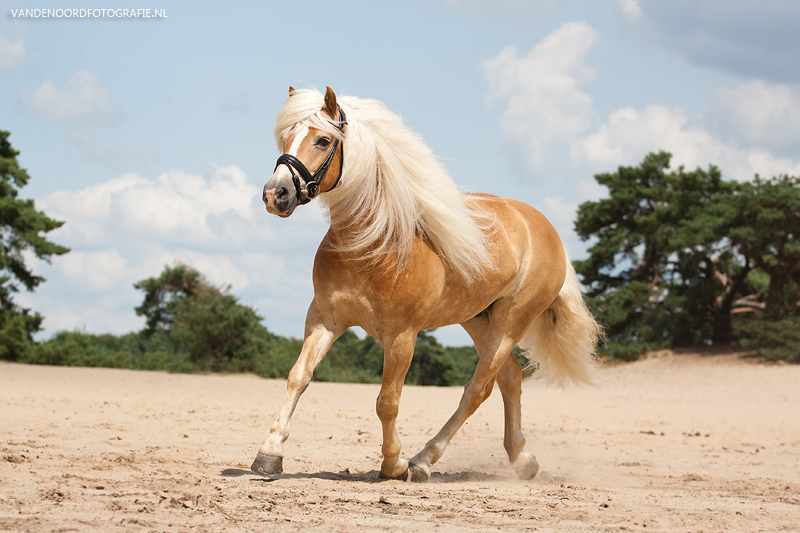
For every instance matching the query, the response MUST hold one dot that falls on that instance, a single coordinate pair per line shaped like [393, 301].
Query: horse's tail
[564, 338]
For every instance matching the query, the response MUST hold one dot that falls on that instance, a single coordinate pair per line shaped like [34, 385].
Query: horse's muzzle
[279, 200]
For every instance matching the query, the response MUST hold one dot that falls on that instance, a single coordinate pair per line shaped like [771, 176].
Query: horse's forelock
[303, 107]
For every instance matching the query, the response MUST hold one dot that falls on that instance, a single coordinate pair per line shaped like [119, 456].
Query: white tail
[563, 340]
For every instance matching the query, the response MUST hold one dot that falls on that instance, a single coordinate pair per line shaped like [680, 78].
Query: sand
[672, 443]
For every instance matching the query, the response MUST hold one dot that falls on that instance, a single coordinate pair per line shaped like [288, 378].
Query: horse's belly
[457, 304]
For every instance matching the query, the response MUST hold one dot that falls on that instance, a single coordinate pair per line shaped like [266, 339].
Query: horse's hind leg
[496, 348]
[321, 331]
[509, 381]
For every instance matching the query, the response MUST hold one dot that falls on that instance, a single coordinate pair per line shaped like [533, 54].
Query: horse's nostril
[280, 192]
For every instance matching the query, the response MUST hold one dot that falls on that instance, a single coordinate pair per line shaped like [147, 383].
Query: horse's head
[309, 153]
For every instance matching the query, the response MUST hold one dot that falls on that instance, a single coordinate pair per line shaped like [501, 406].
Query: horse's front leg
[396, 362]
[321, 331]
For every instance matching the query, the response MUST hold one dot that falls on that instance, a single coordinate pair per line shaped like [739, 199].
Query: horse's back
[512, 216]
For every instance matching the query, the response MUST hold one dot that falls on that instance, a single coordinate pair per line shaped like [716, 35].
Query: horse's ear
[330, 103]
[291, 90]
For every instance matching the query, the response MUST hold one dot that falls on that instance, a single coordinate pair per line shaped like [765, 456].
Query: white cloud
[757, 112]
[12, 50]
[541, 90]
[547, 111]
[560, 212]
[95, 271]
[629, 134]
[631, 9]
[129, 228]
[176, 206]
[767, 165]
[82, 100]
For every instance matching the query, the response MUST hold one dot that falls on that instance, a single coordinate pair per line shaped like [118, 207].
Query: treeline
[676, 258]
[193, 326]
[681, 258]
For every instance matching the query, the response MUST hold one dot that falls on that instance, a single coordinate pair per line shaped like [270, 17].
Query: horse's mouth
[283, 214]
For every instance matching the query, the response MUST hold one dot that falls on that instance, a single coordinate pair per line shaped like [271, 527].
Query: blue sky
[152, 137]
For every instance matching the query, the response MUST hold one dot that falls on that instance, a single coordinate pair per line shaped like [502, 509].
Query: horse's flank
[393, 189]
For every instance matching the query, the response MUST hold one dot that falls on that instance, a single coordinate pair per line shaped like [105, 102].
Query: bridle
[312, 182]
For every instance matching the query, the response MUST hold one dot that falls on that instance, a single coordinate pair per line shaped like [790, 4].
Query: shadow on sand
[373, 476]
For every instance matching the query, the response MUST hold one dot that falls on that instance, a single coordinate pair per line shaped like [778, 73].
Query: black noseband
[305, 195]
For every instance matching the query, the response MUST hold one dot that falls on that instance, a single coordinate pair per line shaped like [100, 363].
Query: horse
[406, 251]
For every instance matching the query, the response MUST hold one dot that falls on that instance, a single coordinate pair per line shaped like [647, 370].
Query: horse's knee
[299, 379]
[387, 406]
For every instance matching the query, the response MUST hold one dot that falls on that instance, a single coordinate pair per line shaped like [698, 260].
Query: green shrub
[76, 348]
[164, 361]
[776, 339]
[15, 342]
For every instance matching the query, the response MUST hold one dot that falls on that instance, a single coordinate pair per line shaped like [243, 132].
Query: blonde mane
[393, 187]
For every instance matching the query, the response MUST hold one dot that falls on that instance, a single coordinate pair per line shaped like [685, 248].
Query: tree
[22, 229]
[431, 362]
[767, 231]
[206, 322]
[163, 294]
[351, 359]
[660, 272]
[678, 254]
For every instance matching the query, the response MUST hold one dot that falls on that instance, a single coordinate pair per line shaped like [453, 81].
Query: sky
[151, 137]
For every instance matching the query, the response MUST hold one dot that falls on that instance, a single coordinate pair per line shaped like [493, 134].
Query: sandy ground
[672, 443]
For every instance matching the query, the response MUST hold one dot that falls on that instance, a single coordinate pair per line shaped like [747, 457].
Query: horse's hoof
[267, 464]
[394, 469]
[526, 466]
[418, 474]
[402, 477]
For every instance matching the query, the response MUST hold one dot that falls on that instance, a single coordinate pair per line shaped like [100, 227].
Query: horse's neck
[345, 228]
[339, 241]
[344, 236]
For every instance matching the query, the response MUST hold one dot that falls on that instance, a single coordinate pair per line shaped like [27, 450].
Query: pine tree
[22, 229]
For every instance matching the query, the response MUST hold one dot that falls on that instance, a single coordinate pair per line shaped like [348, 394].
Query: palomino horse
[406, 251]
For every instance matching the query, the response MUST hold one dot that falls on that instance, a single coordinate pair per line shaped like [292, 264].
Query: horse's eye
[323, 142]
